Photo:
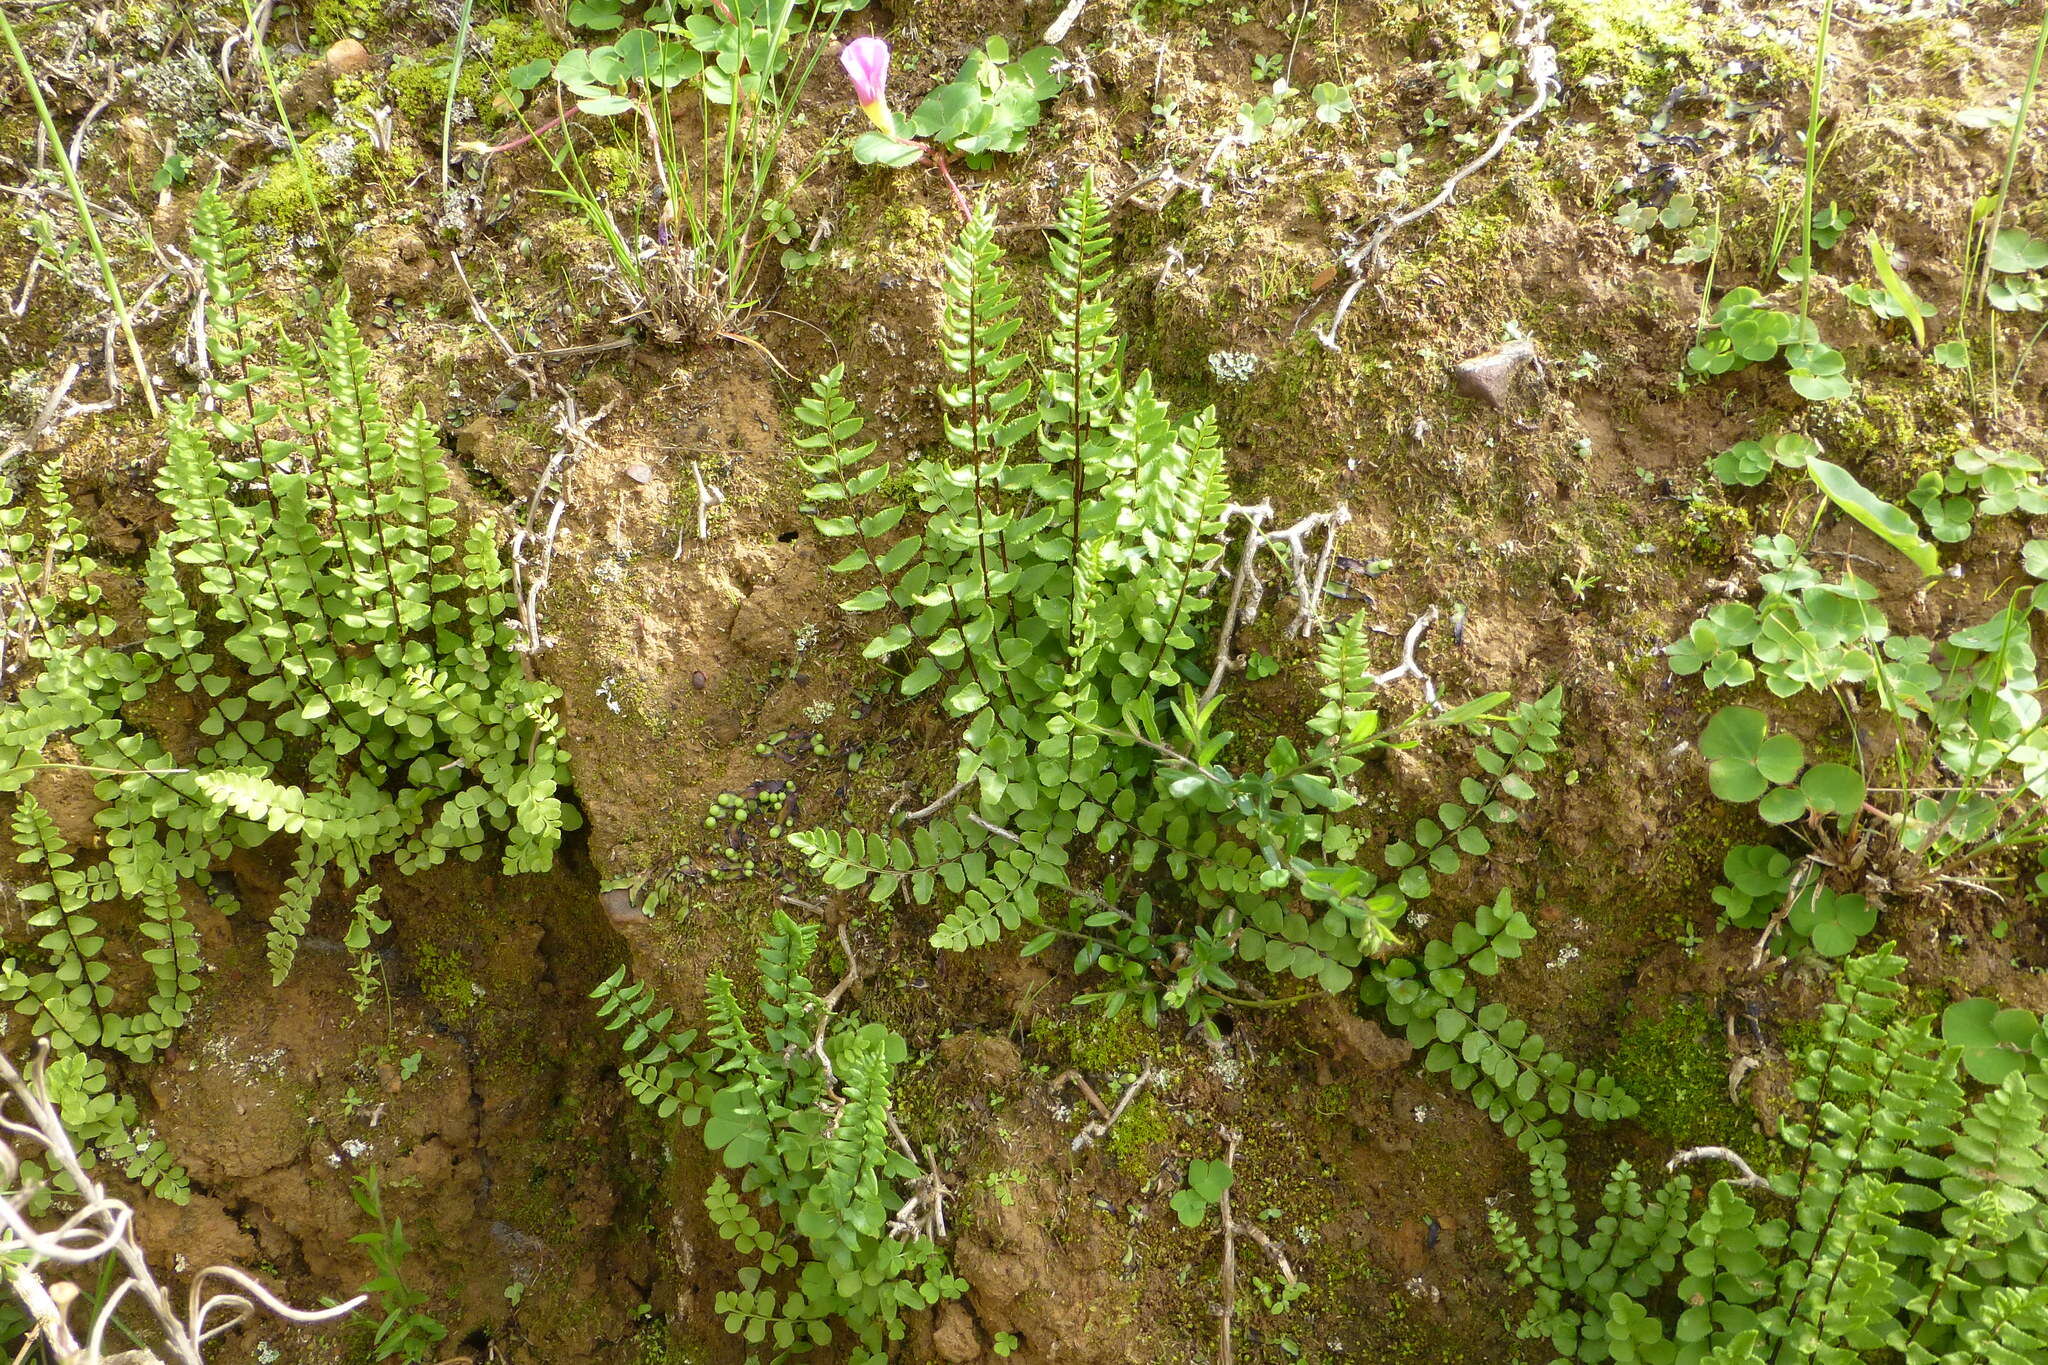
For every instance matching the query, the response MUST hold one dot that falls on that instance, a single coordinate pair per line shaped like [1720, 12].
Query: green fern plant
[350, 673]
[1907, 1221]
[1047, 584]
[796, 1099]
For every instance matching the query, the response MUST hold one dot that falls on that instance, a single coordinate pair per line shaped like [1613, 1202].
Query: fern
[660, 1071]
[354, 677]
[797, 1101]
[1911, 1225]
[69, 1001]
[1048, 583]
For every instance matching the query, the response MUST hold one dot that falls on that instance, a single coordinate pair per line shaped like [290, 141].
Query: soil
[1572, 530]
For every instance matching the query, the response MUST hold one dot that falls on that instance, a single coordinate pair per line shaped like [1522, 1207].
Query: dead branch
[1308, 574]
[530, 577]
[1101, 1128]
[1229, 1272]
[1080, 1083]
[1749, 1178]
[1540, 63]
[100, 1227]
[1408, 667]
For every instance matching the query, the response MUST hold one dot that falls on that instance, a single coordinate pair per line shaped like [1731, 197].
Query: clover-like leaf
[598, 15]
[1743, 759]
[1995, 1041]
[1832, 921]
[2016, 251]
[1209, 1178]
[1757, 870]
[1833, 789]
[1782, 805]
[1746, 463]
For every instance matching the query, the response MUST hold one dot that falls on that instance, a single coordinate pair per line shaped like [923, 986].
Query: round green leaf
[1833, 788]
[1782, 805]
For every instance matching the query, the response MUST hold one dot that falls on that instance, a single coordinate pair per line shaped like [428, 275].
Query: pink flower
[867, 65]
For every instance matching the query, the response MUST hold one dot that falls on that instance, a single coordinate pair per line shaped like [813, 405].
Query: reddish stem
[554, 122]
[938, 155]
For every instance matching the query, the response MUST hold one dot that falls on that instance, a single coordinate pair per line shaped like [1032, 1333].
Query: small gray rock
[1492, 376]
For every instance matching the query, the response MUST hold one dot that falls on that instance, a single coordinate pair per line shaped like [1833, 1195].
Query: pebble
[619, 908]
[1491, 376]
[639, 473]
[348, 58]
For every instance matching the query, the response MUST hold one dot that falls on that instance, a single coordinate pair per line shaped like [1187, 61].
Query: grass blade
[1879, 517]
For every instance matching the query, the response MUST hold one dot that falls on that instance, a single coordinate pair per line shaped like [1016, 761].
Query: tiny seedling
[1333, 102]
[405, 1334]
[1208, 1182]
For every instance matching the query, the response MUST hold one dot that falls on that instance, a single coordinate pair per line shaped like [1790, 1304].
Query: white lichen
[1232, 367]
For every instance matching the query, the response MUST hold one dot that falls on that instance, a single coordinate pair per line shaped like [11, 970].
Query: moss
[1095, 1043]
[612, 170]
[657, 1345]
[294, 194]
[444, 979]
[1671, 1063]
[1641, 44]
[1134, 1140]
[419, 88]
[333, 20]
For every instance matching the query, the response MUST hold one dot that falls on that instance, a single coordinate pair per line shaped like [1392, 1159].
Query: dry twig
[1309, 574]
[1101, 1127]
[1540, 63]
[1749, 1179]
[100, 1227]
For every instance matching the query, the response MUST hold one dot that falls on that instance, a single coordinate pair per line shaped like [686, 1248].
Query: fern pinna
[797, 1101]
[1907, 1222]
[1050, 591]
[346, 665]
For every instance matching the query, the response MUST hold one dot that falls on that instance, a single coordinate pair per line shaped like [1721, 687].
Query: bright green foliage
[990, 107]
[1749, 462]
[1966, 703]
[1507, 1069]
[1997, 1041]
[405, 1333]
[1980, 481]
[1630, 1248]
[2017, 280]
[1746, 763]
[993, 104]
[1897, 299]
[661, 1072]
[796, 1099]
[1874, 514]
[1208, 1181]
[1742, 333]
[1760, 883]
[1906, 1222]
[351, 675]
[1757, 878]
[104, 1122]
[739, 47]
[1048, 595]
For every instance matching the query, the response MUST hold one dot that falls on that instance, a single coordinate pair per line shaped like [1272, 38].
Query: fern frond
[294, 909]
